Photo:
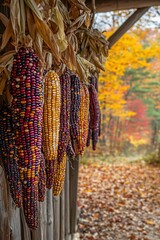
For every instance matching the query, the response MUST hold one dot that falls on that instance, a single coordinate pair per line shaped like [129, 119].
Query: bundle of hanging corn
[41, 125]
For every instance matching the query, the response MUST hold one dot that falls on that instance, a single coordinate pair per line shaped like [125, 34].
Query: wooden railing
[58, 215]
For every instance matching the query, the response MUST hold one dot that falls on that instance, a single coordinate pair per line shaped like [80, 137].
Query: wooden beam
[111, 5]
[127, 25]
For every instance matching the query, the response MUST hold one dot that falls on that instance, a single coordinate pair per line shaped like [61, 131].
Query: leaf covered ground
[119, 202]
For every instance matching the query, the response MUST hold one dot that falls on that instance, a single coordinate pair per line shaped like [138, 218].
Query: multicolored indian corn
[42, 180]
[9, 154]
[51, 122]
[75, 106]
[59, 175]
[94, 119]
[64, 133]
[83, 120]
[26, 89]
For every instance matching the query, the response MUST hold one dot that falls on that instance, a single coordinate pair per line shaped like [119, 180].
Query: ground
[119, 202]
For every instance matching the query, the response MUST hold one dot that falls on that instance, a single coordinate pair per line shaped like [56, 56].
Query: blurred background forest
[129, 88]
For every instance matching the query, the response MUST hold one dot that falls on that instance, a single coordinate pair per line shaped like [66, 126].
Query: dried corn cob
[94, 81]
[75, 106]
[26, 89]
[94, 122]
[70, 151]
[83, 119]
[51, 122]
[59, 175]
[9, 155]
[64, 133]
[42, 180]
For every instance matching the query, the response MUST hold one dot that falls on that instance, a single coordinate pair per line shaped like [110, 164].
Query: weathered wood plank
[25, 233]
[15, 221]
[111, 5]
[73, 175]
[40, 232]
[4, 208]
[56, 214]
[67, 204]
[62, 215]
[126, 25]
[50, 225]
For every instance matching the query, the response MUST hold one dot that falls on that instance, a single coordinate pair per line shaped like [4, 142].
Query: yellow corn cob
[83, 119]
[51, 122]
[59, 175]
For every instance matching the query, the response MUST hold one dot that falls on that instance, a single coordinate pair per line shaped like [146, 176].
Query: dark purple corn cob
[42, 180]
[9, 155]
[94, 81]
[64, 134]
[94, 122]
[26, 89]
[75, 106]
[70, 151]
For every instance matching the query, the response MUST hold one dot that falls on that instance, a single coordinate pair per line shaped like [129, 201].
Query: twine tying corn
[51, 122]
[9, 155]
[26, 89]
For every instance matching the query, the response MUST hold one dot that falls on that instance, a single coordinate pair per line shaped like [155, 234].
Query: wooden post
[127, 25]
[67, 204]
[73, 174]
[62, 215]
[4, 208]
[50, 219]
[26, 233]
[15, 221]
[56, 214]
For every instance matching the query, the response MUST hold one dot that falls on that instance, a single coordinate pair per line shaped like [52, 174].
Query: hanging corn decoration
[70, 151]
[75, 106]
[9, 155]
[83, 119]
[59, 175]
[64, 133]
[26, 89]
[94, 119]
[94, 81]
[51, 122]
[42, 180]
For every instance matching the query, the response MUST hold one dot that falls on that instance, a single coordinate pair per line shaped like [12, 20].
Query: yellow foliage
[127, 53]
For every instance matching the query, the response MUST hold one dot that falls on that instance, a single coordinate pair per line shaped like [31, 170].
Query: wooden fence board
[4, 208]
[57, 214]
[15, 221]
[67, 204]
[50, 222]
[62, 215]
[73, 178]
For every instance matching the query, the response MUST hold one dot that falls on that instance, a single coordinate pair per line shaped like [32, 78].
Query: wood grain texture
[15, 221]
[111, 5]
[73, 180]
[4, 208]
[56, 214]
[50, 221]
